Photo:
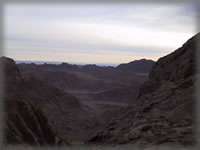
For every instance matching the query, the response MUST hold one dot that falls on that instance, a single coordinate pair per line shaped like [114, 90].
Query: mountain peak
[138, 66]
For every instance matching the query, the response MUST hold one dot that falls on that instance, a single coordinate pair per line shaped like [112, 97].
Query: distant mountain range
[93, 80]
[58, 63]
[141, 65]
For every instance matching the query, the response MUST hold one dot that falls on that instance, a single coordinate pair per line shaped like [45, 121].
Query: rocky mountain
[164, 112]
[138, 66]
[33, 108]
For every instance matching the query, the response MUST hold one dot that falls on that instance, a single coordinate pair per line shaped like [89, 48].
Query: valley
[71, 105]
[102, 90]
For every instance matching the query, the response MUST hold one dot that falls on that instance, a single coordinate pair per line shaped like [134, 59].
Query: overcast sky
[94, 33]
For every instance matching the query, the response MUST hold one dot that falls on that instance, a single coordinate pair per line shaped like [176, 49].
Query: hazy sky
[94, 33]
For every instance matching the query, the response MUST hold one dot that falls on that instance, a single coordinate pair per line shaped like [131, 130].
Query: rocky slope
[165, 110]
[26, 124]
[33, 108]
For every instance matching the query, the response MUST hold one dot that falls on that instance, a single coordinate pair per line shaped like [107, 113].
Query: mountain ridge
[165, 109]
[38, 105]
[90, 79]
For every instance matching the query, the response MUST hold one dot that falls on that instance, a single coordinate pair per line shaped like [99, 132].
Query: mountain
[164, 111]
[33, 108]
[138, 66]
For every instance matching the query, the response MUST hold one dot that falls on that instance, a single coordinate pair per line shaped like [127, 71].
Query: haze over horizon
[96, 33]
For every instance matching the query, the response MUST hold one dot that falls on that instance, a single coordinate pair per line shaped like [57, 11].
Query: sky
[96, 33]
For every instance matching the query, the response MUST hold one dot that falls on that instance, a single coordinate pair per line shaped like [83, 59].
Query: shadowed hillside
[40, 114]
[165, 110]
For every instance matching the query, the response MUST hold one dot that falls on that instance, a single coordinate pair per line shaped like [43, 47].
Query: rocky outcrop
[165, 110]
[178, 65]
[26, 124]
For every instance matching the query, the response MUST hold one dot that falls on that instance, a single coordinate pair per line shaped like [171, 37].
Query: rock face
[138, 66]
[165, 110]
[26, 124]
[178, 65]
[33, 108]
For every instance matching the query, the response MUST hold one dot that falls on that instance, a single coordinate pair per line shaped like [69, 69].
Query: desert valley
[141, 102]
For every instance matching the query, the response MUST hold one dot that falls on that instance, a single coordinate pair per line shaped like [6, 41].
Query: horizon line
[76, 63]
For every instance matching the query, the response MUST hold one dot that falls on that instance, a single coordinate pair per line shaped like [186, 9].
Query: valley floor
[102, 113]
